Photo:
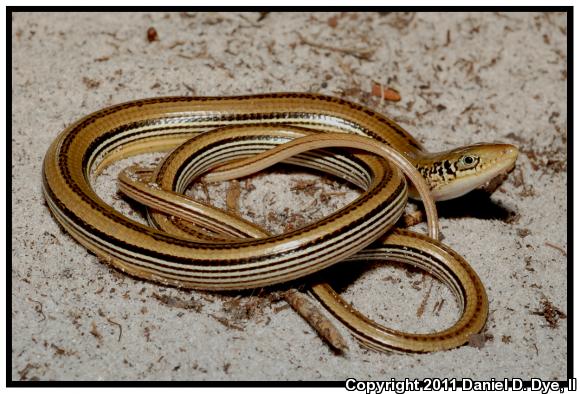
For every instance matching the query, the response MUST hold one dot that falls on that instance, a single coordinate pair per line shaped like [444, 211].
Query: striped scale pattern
[398, 245]
[162, 124]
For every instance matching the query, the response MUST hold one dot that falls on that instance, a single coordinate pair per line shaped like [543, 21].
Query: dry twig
[323, 326]
[178, 303]
[558, 248]
[412, 219]
[363, 54]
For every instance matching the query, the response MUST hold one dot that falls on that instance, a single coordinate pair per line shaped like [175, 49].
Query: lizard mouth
[494, 183]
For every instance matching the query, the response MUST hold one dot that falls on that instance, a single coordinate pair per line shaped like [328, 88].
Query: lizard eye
[468, 161]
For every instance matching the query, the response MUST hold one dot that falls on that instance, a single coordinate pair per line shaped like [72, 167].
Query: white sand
[497, 78]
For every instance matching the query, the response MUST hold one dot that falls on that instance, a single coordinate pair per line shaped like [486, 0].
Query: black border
[570, 223]
[13, 9]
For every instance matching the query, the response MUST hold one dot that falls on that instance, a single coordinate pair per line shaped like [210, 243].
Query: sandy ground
[463, 78]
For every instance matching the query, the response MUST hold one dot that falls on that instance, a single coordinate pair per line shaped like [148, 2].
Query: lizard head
[456, 172]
